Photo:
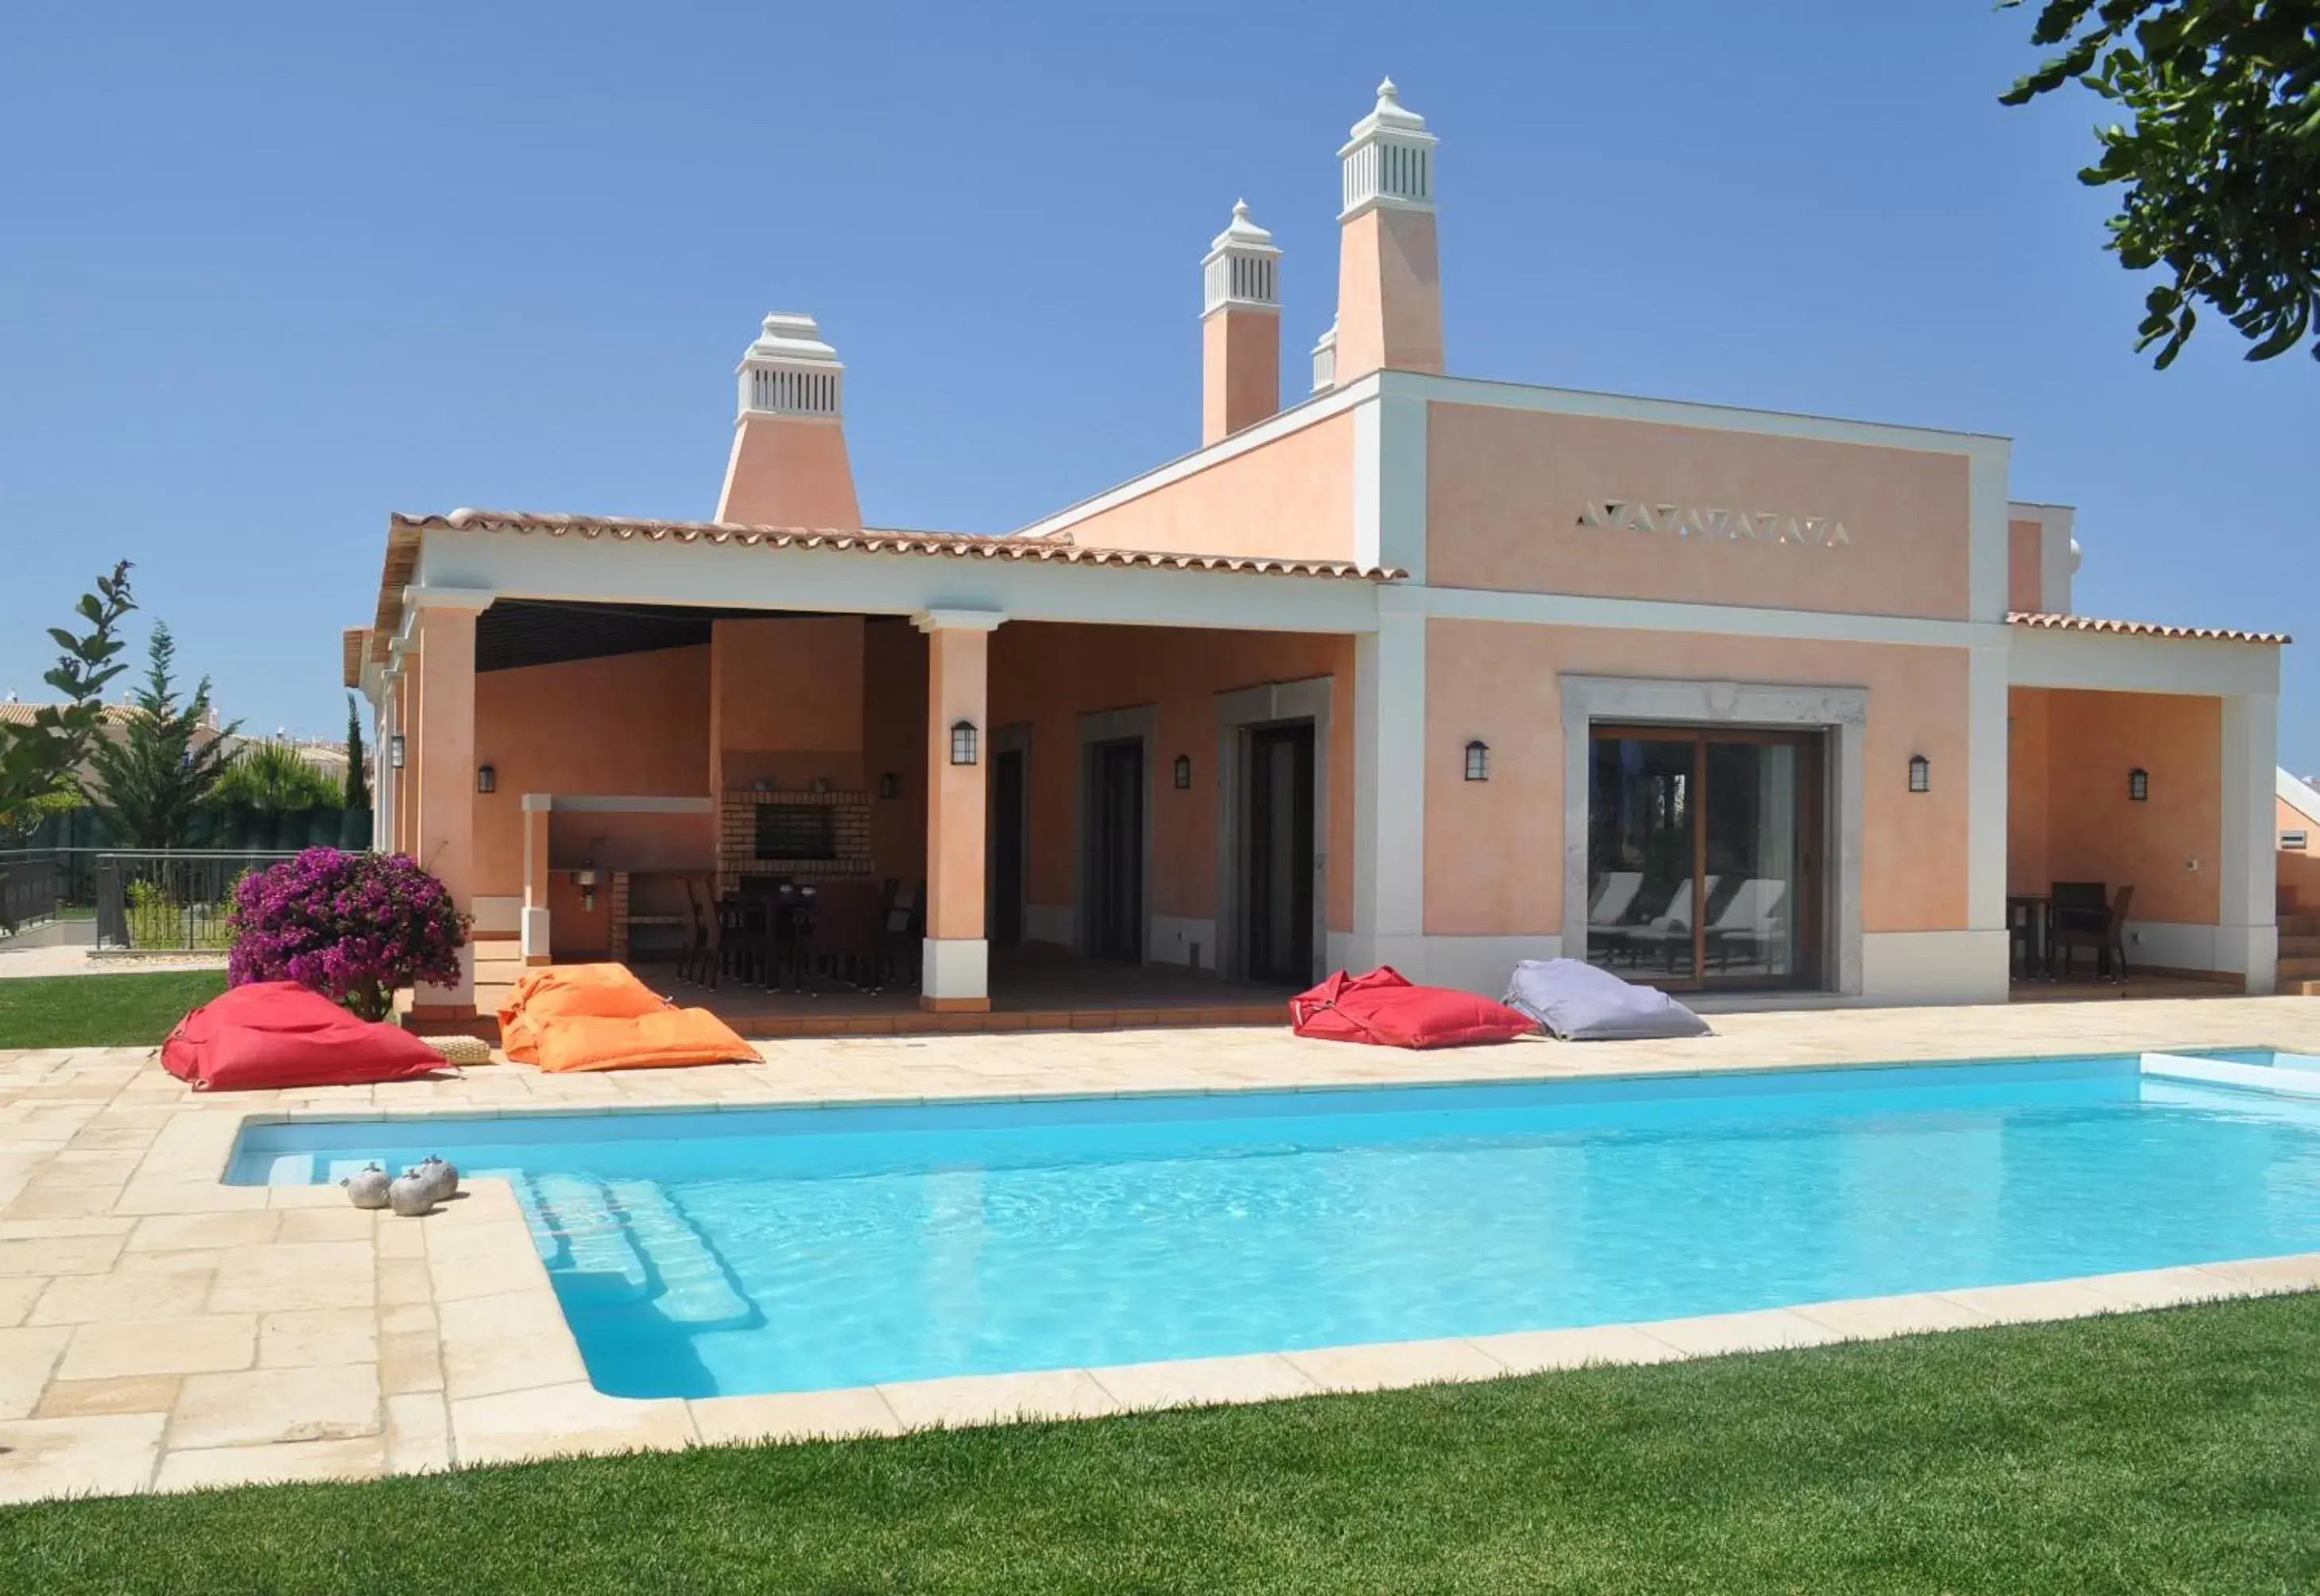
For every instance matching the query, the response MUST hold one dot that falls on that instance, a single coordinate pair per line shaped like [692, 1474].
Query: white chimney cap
[1390, 113]
[793, 339]
[1243, 233]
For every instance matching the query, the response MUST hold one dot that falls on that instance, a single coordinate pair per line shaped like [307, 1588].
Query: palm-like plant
[275, 777]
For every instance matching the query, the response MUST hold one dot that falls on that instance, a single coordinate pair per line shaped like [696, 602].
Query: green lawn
[2165, 1452]
[105, 1011]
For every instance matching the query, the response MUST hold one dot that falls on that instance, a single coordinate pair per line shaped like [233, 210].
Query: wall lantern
[1921, 774]
[1183, 772]
[1478, 761]
[394, 750]
[487, 780]
[962, 742]
[890, 786]
[2138, 784]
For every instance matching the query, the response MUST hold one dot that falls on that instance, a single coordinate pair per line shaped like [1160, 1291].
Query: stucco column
[957, 958]
[398, 777]
[1390, 793]
[534, 924]
[381, 792]
[444, 753]
[1984, 971]
[2247, 933]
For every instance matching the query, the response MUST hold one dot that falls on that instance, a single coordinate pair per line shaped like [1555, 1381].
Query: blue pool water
[701, 1254]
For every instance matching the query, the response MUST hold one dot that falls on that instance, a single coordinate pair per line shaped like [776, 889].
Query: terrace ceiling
[516, 632]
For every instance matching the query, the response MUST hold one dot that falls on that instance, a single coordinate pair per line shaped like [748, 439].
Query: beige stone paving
[160, 1330]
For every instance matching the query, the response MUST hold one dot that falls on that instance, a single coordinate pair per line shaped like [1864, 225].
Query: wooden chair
[2023, 937]
[2085, 916]
[736, 949]
[699, 960]
[790, 937]
[901, 929]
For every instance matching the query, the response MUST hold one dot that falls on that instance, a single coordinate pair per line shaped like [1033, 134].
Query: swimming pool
[704, 1254]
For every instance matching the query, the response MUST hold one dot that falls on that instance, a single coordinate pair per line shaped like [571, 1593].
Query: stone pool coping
[162, 1330]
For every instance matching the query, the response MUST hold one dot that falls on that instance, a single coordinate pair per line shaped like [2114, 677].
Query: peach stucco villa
[1423, 669]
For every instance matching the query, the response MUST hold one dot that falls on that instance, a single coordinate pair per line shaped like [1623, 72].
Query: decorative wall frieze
[1686, 520]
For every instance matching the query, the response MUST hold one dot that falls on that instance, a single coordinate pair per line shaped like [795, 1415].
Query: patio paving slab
[261, 1405]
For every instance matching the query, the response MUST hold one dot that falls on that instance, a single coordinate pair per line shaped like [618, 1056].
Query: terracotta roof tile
[12, 713]
[403, 532]
[2141, 628]
[1058, 546]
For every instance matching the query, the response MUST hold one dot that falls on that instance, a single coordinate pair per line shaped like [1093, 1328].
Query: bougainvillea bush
[352, 926]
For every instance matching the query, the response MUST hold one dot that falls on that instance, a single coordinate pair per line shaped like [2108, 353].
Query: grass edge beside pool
[2167, 1451]
[131, 1009]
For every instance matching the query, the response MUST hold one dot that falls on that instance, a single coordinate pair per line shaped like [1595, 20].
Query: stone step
[2299, 969]
[2296, 945]
[2300, 925]
[2299, 988]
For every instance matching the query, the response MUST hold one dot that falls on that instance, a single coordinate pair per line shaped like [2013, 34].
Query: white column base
[460, 999]
[1900, 967]
[2254, 952]
[956, 971]
[533, 923]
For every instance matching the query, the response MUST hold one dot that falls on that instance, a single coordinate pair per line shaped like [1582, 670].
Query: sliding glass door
[1705, 855]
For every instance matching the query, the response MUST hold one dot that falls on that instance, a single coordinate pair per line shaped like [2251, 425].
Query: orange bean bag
[601, 992]
[670, 1037]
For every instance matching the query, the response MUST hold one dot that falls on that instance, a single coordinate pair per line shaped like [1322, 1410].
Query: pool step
[624, 1241]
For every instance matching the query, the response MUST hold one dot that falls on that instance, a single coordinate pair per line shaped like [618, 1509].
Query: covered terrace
[1026, 784]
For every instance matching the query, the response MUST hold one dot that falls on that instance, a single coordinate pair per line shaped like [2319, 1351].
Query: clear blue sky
[268, 272]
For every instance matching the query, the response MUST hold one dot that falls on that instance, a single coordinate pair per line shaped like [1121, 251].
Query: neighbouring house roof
[2142, 629]
[403, 532]
[12, 713]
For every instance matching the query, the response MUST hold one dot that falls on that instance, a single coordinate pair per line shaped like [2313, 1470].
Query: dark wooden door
[1007, 849]
[1278, 895]
[1118, 862]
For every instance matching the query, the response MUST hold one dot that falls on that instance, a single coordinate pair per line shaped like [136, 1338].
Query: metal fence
[170, 901]
[29, 885]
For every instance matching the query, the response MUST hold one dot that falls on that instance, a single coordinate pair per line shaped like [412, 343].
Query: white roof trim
[1686, 412]
[2299, 796]
[1320, 407]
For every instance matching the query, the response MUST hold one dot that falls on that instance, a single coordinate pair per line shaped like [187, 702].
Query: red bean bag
[278, 1033]
[1385, 1010]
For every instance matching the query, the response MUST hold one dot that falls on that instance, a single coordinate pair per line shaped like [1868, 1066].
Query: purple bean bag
[1575, 1001]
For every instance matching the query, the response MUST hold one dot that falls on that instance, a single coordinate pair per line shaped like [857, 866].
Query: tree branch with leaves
[37, 762]
[2221, 161]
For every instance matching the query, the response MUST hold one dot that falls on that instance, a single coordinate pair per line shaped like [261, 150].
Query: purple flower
[352, 926]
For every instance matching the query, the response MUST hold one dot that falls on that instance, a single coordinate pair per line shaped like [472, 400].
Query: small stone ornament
[367, 1187]
[412, 1195]
[443, 1178]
